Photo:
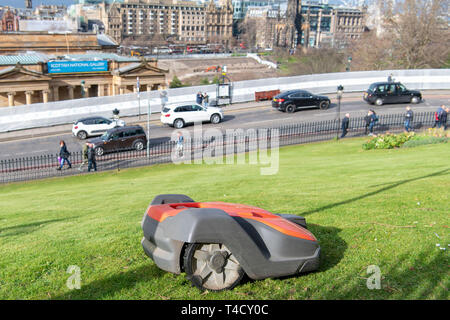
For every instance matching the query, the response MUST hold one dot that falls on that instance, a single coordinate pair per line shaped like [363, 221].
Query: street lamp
[340, 91]
[83, 90]
[349, 61]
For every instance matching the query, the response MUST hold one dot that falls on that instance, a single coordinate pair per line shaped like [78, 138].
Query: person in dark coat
[444, 116]
[91, 158]
[64, 155]
[408, 119]
[345, 123]
[367, 122]
[199, 98]
[373, 120]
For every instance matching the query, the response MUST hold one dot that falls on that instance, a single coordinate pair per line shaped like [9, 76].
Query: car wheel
[82, 135]
[211, 266]
[99, 151]
[323, 105]
[178, 123]
[290, 108]
[379, 102]
[215, 118]
[138, 145]
[415, 100]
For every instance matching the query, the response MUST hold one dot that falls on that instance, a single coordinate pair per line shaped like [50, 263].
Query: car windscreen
[372, 87]
[165, 110]
[105, 136]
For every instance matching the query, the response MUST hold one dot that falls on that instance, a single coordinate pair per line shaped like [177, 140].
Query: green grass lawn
[379, 207]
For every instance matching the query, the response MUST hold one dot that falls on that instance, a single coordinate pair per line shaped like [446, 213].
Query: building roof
[42, 41]
[35, 58]
[100, 56]
[22, 59]
[105, 40]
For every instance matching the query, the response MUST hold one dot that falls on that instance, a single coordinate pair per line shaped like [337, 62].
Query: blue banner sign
[77, 66]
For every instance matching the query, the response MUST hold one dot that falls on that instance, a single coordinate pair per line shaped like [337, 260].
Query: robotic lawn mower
[216, 243]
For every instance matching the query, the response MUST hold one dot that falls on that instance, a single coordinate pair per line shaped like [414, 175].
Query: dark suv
[380, 93]
[292, 100]
[121, 138]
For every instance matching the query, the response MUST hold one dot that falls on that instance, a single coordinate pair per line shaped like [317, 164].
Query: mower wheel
[211, 266]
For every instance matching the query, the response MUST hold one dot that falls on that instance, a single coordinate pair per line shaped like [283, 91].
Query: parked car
[120, 138]
[380, 93]
[292, 100]
[181, 114]
[93, 126]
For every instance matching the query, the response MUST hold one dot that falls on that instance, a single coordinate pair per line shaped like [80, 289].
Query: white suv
[94, 126]
[181, 114]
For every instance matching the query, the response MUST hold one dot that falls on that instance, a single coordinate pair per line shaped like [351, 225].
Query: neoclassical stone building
[27, 79]
[179, 21]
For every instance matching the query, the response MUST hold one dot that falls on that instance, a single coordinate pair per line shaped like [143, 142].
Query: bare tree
[414, 35]
[420, 33]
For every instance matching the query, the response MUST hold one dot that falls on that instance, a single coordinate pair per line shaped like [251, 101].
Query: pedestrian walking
[345, 124]
[437, 117]
[180, 142]
[92, 163]
[444, 116]
[373, 121]
[408, 119]
[205, 100]
[84, 154]
[199, 98]
[367, 121]
[64, 155]
[390, 78]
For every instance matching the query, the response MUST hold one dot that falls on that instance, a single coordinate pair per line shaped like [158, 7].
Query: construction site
[194, 71]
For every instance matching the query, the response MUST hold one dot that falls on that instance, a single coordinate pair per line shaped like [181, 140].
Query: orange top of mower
[163, 211]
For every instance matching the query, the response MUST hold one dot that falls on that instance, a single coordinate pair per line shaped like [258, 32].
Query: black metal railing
[237, 141]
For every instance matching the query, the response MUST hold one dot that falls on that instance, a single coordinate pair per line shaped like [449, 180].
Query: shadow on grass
[107, 287]
[28, 228]
[424, 276]
[388, 187]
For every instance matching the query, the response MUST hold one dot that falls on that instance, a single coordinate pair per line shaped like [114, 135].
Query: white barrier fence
[63, 112]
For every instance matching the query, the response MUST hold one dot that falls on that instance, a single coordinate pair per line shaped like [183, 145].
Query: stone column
[149, 87]
[28, 95]
[70, 89]
[121, 90]
[11, 98]
[55, 93]
[101, 90]
[45, 95]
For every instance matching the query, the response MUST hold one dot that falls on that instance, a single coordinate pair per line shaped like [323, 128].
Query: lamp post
[340, 91]
[83, 90]
[138, 96]
[149, 111]
[349, 61]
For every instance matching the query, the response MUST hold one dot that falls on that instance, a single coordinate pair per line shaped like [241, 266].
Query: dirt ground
[192, 71]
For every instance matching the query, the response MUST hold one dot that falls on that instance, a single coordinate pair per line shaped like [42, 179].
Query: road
[261, 116]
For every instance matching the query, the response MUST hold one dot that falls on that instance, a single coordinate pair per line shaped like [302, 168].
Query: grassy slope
[363, 206]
